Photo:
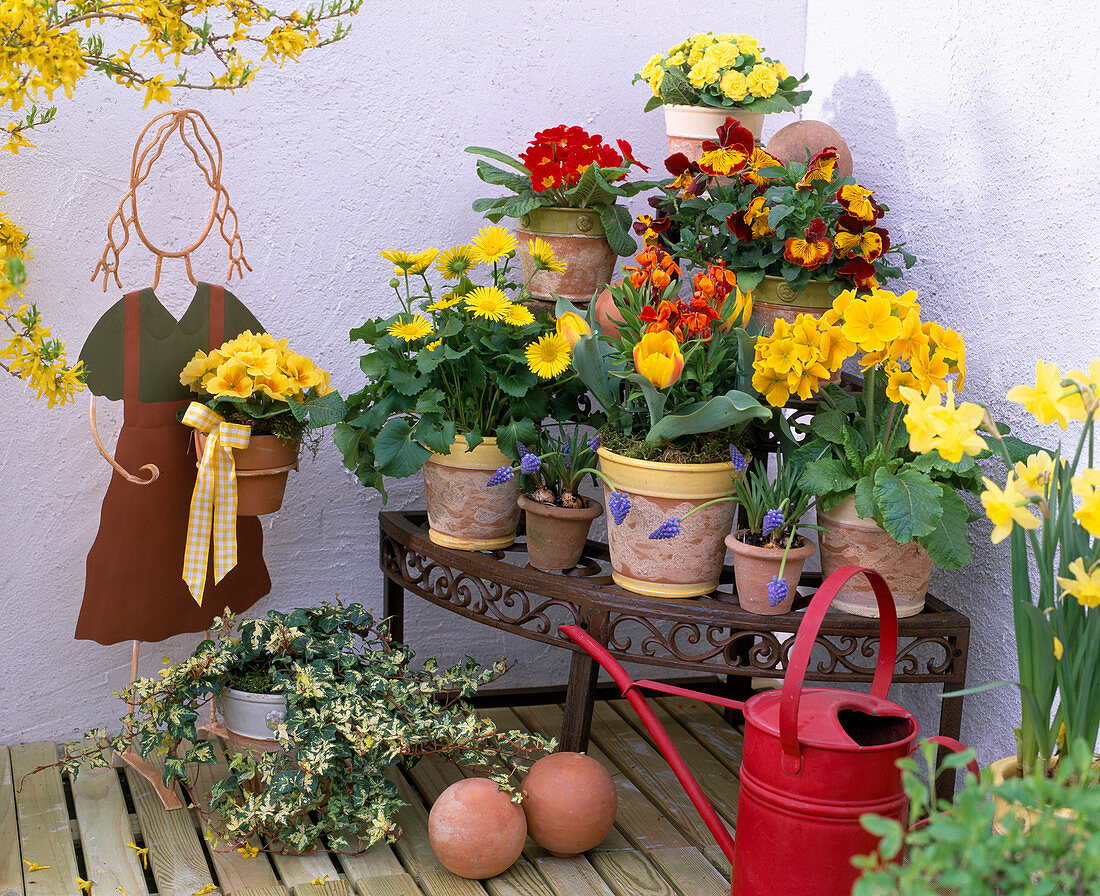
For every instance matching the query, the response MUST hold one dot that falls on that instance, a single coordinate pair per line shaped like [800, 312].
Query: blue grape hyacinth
[773, 521]
[619, 505]
[670, 528]
[777, 591]
[503, 474]
[530, 464]
[737, 458]
[594, 443]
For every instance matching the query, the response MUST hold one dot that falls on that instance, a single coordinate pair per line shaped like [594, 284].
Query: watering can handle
[804, 645]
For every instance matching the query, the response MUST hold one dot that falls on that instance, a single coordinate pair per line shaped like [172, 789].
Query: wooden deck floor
[659, 846]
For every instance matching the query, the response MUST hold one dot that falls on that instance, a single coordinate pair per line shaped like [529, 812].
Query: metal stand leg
[393, 607]
[951, 711]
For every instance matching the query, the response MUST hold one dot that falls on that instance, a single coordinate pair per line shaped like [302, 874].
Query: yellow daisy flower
[493, 243]
[415, 328]
[422, 259]
[453, 263]
[519, 316]
[443, 303]
[549, 356]
[542, 253]
[488, 302]
[399, 257]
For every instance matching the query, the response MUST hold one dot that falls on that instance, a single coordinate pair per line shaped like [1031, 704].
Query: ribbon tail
[197, 552]
[225, 516]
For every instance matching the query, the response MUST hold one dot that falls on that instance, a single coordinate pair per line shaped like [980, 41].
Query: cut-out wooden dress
[134, 587]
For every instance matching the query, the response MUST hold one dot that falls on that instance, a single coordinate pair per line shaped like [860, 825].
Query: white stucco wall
[979, 131]
[328, 162]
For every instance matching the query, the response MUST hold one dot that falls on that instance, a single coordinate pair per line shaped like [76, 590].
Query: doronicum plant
[355, 706]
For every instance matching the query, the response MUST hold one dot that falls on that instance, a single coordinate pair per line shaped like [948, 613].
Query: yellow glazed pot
[773, 299]
[463, 512]
[688, 126]
[1002, 770]
[688, 565]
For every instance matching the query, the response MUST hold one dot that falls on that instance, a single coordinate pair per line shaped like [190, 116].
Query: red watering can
[814, 760]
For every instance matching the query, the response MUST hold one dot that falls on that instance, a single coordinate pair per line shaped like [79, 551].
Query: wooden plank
[508, 719]
[325, 888]
[235, 871]
[11, 864]
[648, 769]
[718, 735]
[415, 850]
[520, 880]
[104, 831]
[378, 861]
[388, 885]
[299, 870]
[642, 823]
[175, 850]
[572, 876]
[691, 874]
[720, 784]
[628, 873]
[44, 832]
[263, 891]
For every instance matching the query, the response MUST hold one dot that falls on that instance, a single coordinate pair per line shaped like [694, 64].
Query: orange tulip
[658, 358]
[572, 326]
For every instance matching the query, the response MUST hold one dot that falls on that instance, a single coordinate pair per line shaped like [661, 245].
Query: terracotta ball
[789, 144]
[475, 830]
[570, 803]
[606, 314]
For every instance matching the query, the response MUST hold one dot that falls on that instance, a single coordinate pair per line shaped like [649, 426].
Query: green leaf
[491, 204]
[676, 89]
[501, 178]
[516, 384]
[518, 206]
[909, 503]
[830, 426]
[497, 156]
[654, 102]
[655, 400]
[865, 498]
[946, 543]
[396, 452]
[616, 224]
[523, 430]
[405, 382]
[590, 360]
[591, 189]
[733, 410]
[827, 476]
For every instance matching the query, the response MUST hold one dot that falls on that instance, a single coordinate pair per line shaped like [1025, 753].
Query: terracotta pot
[556, 535]
[773, 298]
[753, 568]
[262, 470]
[852, 540]
[688, 126]
[607, 315]
[577, 237]
[791, 144]
[688, 565]
[463, 512]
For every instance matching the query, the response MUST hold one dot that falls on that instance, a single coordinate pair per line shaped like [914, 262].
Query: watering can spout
[667, 748]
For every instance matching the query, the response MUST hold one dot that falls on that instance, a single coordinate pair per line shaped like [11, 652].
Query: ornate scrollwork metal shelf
[708, 634]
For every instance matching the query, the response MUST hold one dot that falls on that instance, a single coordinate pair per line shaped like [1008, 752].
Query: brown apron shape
[134, 587]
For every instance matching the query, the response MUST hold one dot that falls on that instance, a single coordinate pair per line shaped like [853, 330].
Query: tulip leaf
[730, 411]
[396, 452]
[909, 503]
[655, 400]
[591, 363]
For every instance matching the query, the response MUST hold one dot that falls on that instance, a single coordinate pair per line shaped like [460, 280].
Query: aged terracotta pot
[475, 829]
[688, 126]
[463, 512]
[556, 535]
[262, 470]
[688, 565]
[791, 143]
[570, 803]
[773, 298]
[577, 237]
[753, 568]
[607, 315]
[852, 540]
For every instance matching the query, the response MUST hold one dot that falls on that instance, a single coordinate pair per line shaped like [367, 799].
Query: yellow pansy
[1006, 508]
[1085, 584]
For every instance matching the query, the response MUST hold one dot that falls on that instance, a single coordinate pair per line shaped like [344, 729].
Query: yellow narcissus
[658, 358]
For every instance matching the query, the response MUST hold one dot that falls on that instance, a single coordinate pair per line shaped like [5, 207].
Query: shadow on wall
[942, 212]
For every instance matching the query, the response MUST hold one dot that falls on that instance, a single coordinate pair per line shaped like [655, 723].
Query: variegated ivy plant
[355, 708]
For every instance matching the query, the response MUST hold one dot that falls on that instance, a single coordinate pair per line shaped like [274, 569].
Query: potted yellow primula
[257, 381]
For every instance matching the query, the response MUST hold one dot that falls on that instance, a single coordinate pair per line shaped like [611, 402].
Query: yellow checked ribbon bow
[214, 500]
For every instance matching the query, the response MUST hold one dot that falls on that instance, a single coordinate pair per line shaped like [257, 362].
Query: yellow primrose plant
[258, 381]
[1049, 509]
[857, 443]
[726, 71]
[468, 360]
[50, 45]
